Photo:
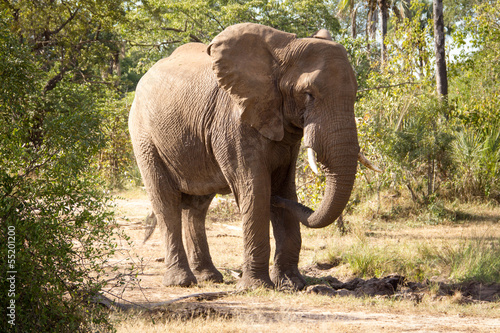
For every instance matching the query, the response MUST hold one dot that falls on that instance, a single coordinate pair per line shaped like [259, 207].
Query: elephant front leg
[255, 210]
[285, 271]
[194, 211]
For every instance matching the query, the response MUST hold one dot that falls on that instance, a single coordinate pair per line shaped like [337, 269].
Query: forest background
[69, 69]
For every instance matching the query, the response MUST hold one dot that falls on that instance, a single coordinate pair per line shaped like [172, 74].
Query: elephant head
[282, 84]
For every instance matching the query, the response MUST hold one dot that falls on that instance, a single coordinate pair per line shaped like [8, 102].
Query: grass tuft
[476, 259]
[471, 259]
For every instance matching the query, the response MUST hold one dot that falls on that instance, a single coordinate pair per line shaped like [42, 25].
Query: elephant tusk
[311, 157]
[363, 160]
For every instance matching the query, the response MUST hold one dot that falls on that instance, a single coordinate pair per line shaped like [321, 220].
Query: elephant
[230, 117]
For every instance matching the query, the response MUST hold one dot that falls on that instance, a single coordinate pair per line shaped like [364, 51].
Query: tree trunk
[354, 13]
[439, 48]
[431, 174]
[371, 27]
[384, 15]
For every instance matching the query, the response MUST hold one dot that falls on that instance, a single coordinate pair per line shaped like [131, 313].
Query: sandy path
[259, 313]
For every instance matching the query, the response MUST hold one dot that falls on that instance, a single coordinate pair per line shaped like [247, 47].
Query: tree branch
[388, 86]
[51, 84]
[71, 17]
[47, 34]
[132, 43]
[193, 37]
[99, 298]
[221, 26]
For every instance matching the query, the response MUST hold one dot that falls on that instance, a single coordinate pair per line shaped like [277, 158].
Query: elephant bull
[229, 117]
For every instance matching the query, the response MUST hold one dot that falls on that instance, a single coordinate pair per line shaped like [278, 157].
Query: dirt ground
[388, 304]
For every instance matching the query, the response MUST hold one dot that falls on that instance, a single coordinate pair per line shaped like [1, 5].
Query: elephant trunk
[337, 192]
[337, 149]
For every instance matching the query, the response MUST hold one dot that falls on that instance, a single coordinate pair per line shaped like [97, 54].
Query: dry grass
[386, 245]
[313, 313]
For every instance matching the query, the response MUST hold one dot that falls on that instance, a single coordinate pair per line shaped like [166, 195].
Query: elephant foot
[208, 274]
[253, 282]
[288, 279]
[178, 277]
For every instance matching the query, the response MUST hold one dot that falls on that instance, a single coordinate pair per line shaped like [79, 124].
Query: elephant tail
[150, 223]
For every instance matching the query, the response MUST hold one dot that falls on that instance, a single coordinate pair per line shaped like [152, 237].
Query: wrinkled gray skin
[229, 117]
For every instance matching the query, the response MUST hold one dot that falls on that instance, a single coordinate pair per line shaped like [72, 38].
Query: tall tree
[439, 48]
[383, 18]
[352, 6]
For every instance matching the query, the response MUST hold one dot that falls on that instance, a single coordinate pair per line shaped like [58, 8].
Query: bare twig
[221, 26]
[413, 194]
[193, 37]
[101, 299]
[388, 86]
[33, 165]
[152, 45]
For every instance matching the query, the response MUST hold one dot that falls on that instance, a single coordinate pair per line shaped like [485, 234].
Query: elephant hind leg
[194, 211]
[166, 202]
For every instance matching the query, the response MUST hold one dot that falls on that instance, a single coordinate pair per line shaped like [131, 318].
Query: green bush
[56, 230]
[474, 104]
[431, 149]
[116, 159]
[477, 159]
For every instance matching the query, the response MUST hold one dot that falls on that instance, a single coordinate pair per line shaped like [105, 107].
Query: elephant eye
[309, 97]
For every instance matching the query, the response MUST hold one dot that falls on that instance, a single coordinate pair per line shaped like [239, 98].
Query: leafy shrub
[116, 159]
[477, 158]
[474, 104]
[56, 229]
[432, 149]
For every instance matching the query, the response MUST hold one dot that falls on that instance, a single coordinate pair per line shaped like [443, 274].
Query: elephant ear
[245, 62]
